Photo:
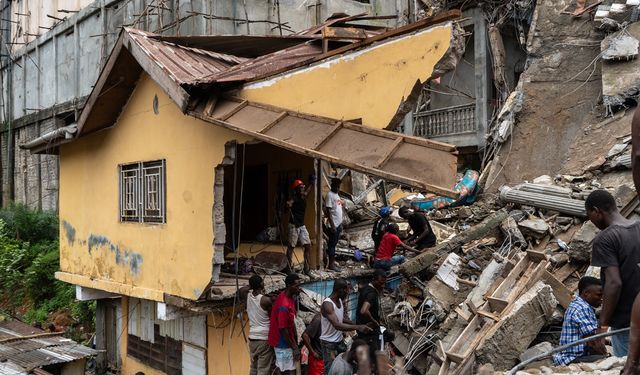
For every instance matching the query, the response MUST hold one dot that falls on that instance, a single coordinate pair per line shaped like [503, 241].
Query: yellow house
[186, 150]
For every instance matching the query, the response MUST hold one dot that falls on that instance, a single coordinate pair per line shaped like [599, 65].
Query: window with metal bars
[143, 192]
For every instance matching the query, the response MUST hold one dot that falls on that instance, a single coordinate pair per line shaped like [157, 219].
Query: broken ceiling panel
[393, 156]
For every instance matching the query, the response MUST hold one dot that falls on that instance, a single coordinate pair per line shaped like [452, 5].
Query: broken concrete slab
[580, 244]
[619, 46]
[536, 350]
[501, 347]
[534, 227]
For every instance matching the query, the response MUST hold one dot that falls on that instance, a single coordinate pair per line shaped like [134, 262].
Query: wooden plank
[536, 256]
[412, 140]
[497, 304]
[234, 110]
[565, 271]
[489, 315]
[270, 125]
[560, 291]
[316, 154]
[424, 260]
[454, 357]
[394, 146]
[328, 136]
[464, 315]
[343, 33]
[211, 105]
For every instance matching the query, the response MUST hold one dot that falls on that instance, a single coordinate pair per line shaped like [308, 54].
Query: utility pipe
[523, 364]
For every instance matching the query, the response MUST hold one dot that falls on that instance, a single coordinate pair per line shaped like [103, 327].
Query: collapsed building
[515, 87]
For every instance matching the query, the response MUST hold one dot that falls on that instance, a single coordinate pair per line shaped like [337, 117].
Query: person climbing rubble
[616, 250]
[385, 258]
[380, 226]
[422, 235]
[579, 322]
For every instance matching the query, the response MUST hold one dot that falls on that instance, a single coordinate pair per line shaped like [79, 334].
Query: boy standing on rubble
[579, 322]
[616, 250]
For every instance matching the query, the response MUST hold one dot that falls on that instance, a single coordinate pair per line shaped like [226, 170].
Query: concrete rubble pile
[501, 281]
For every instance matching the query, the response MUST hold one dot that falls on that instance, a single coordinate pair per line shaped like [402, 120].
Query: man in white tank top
[259, 313]
[334, 322]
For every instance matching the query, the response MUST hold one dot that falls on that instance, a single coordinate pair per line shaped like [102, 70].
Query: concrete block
[536, 350]
[534, 227]
[528, 314]
[580, 244]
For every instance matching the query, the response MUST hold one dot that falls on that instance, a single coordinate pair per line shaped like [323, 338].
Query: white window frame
[142, 192]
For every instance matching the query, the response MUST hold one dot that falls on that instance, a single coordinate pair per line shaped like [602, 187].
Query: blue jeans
[388, 263]
[620, 343]
[330, 351]
[332, 242]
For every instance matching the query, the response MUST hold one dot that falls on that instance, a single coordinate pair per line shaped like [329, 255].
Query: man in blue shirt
[579, 322]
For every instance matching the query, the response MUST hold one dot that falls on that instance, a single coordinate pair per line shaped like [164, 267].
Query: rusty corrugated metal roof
[37, 348]
[185, 65]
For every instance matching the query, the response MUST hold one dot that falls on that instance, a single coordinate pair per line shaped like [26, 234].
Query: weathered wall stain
[123, 256]
[69, 232]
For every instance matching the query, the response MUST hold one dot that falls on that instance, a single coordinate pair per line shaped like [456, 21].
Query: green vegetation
[29, 258]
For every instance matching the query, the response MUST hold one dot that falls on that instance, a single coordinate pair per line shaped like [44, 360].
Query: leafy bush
[28, 225]
[29, 258]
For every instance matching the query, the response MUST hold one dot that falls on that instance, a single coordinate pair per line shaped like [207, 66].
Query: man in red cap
[297, 230]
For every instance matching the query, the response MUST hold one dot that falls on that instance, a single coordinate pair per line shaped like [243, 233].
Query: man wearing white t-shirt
[333, 211]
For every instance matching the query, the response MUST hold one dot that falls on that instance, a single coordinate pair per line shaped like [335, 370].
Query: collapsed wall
[560, 128]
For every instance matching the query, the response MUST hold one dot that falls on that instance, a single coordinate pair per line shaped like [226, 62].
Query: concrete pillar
[408, 123]
[482, 74]
[101, 338]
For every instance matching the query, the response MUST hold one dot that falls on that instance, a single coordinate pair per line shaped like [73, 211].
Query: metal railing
[446, 121]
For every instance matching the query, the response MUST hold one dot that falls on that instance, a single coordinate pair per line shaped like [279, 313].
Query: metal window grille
[142, 192]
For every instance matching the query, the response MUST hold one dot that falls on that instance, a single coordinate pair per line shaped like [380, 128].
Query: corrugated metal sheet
[194, 360]
[30, 353]
[185, 65]
[195, 330]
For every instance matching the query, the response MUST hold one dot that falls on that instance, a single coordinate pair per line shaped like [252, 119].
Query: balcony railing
[458, 119]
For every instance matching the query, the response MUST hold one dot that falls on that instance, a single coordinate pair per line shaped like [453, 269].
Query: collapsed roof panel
[417, 162]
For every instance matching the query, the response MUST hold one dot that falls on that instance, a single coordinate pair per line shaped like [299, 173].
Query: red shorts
[316, 366]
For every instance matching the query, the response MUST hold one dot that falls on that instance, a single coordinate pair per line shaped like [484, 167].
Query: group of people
[273, 339]
[616, 250]
[384, 233]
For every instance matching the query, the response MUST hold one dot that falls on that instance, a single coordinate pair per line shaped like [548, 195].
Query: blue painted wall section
[123, 256]
[69, 232]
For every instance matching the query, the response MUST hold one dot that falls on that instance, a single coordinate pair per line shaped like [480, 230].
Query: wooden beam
[424, 260]
[385, 157]
[333, 131]
[560, 291]
[234, 110]
[273, 123]
[29, 337]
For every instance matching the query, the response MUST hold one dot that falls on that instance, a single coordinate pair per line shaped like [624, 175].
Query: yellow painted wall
[228, 355]
[369, 84]
[141, 260]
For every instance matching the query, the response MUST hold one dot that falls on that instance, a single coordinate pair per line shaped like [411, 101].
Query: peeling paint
[69, 232]
[123, 256]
